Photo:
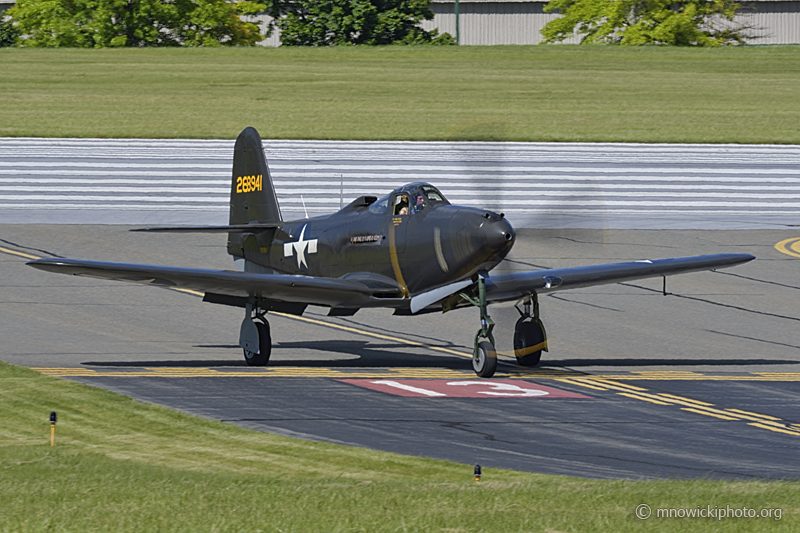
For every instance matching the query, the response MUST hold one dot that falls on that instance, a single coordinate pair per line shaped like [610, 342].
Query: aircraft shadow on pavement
[367, 355]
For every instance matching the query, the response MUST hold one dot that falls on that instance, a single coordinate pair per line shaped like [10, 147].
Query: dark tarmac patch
[614, 435]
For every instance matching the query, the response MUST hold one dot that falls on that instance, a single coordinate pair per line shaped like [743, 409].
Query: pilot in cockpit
[419, 203]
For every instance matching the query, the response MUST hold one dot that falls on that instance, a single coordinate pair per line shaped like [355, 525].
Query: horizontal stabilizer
[237, 228]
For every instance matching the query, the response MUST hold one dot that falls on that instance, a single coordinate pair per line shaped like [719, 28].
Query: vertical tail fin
[253, 197]
[252, 194]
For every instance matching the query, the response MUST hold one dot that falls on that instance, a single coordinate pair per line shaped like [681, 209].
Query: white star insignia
[300, 247]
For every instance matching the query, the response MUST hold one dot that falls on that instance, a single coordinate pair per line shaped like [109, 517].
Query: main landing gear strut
[254, 337]
[530, 338]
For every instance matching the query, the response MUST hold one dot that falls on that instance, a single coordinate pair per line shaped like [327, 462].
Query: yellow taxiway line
[20, 254]
[789, 247]
[280, 372]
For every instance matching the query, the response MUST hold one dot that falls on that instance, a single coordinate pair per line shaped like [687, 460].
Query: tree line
[139, 23]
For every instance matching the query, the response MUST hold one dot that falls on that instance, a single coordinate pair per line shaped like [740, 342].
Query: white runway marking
[540, 185]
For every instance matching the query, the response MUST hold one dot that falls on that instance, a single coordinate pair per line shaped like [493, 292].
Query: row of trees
[109, 23]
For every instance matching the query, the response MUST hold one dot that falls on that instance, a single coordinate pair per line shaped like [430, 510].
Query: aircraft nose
[498, 232]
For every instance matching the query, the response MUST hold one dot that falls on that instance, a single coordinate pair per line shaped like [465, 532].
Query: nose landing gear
[484, 354]
[530, 338]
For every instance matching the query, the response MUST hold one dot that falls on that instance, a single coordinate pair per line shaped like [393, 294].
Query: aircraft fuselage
[412, 252]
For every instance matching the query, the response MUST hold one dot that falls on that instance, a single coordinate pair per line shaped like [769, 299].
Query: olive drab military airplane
[410, 250]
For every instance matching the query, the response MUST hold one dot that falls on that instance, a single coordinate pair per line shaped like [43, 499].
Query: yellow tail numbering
[248, 183]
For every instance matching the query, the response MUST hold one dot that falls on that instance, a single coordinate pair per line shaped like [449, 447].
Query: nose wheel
[484, 360]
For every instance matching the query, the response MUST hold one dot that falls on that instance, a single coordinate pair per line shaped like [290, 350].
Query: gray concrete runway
[704, 382]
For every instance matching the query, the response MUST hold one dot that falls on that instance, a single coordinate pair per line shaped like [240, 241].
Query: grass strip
[121, 465]
[498, 93]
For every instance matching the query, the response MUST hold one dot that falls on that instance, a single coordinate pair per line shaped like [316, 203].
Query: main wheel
[484, 361]
[264, 344]
[529, 340]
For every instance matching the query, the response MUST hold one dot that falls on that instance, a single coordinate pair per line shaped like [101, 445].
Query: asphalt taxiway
[704, 382]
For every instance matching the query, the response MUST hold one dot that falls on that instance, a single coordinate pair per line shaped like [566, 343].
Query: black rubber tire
[527, 333]
[485, 363]
[265, 345]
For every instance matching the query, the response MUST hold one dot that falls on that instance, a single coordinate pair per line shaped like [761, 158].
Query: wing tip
[48, 263]
[742, 258]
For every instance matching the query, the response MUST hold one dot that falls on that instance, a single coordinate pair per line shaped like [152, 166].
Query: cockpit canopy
[409, 199]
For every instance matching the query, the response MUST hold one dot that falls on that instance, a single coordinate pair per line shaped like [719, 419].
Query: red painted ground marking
[463, 388]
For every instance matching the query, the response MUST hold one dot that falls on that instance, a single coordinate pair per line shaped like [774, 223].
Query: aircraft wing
[512, 286]
[347, 293]
[297, 289]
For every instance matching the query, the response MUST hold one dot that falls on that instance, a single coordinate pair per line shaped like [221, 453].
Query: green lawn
[120, 465]
[520, 93]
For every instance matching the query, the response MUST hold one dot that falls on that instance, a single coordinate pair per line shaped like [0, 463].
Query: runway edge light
[52, 428]
[477, 473]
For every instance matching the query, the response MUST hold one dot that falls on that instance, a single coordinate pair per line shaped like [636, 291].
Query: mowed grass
[120, 465]
[513, 93]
